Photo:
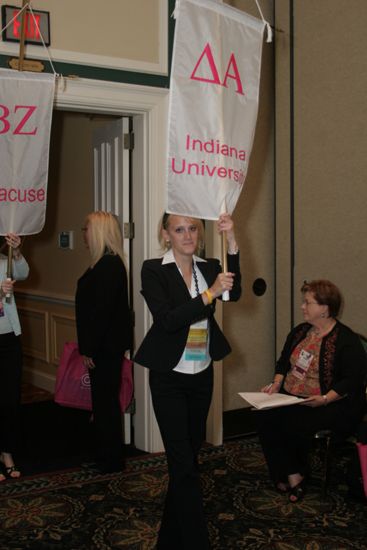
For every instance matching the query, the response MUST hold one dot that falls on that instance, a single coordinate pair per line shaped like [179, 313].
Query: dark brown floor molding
[237, 423]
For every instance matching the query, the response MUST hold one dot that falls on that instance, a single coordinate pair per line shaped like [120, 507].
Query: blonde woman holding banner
[181, 290]
[10, 357]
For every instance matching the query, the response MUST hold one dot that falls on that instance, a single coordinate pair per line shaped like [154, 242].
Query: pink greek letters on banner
[18, 126]
[232, 65]
[25, 123]
[213, 106]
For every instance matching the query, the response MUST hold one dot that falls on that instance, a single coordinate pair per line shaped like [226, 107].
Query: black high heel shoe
[10, 472]
[297, 492]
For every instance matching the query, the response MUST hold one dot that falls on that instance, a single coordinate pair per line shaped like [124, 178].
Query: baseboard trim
[39, 379]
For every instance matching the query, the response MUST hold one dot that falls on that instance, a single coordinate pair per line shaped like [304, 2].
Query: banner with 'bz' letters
[214, 98]
[26, 101]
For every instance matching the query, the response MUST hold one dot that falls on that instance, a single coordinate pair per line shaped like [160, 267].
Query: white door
[111, 158]
[111, 161]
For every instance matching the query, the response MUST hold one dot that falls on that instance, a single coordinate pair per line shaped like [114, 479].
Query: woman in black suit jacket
[104, 331]
[180, 290]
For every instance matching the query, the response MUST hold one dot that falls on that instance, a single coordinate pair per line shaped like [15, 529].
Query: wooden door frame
[148, 108]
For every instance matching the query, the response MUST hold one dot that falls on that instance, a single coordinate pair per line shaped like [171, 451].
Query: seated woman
[324, 362]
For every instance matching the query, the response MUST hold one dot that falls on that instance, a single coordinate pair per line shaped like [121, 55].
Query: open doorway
[46, 300]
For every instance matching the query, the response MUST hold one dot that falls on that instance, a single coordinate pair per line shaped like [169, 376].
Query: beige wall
[329, 123]
[116, 28]
[282, 206]
[330, 152]
[126, 34]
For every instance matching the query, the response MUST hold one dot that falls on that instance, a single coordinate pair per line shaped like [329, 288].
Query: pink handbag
[362, 452]
[73, 384]
[72, 380]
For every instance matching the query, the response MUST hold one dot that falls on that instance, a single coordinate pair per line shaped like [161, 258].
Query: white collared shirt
[188, 366]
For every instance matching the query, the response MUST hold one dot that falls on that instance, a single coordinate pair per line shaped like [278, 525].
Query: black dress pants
[181, 404]
[286, 434]
[10, 391]
[105, 381]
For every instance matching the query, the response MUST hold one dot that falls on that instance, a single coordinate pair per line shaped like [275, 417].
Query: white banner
[26, 101]
[214, 98]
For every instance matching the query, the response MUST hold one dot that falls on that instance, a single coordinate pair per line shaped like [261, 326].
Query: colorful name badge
[197, 342]
[302, 364]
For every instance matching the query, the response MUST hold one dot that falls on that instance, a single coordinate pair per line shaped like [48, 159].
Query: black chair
[327, 438]
[324, 436]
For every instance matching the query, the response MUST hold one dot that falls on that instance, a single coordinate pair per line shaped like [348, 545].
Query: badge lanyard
[303, 363]
[196, 345]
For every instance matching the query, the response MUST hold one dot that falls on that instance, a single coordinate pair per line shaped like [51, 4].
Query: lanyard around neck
[195, 278]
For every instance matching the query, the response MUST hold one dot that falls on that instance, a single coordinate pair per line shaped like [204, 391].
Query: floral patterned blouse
[303, 377]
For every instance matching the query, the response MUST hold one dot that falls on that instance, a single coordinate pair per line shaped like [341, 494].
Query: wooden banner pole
[9, 269]
[225, 295]
[22, 36]
[224, 252]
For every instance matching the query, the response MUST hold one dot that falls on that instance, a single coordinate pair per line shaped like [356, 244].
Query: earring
[323, 315]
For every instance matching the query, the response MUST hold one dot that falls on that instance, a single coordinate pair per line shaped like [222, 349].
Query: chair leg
[326, 467]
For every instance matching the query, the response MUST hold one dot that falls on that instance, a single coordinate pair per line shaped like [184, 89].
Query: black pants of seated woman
[10, 390]
[286, 434]
[181, 403]
[105, 384]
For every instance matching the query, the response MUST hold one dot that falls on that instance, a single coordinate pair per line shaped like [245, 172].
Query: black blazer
[174, 310]
[103, 317]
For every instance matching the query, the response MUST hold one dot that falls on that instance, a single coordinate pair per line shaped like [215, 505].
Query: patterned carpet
[79, 510]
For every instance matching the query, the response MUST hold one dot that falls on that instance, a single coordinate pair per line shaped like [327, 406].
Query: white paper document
[261, 400]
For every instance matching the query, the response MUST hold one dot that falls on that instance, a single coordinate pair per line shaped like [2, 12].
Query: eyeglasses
[307, 303]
